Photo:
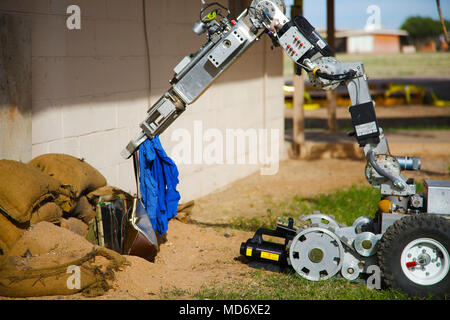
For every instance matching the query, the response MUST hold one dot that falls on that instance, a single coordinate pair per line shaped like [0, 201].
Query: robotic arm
[228, 39]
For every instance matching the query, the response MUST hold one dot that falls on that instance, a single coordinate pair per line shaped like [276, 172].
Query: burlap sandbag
[83, 210]
[23, 189]
[10, 233]
[43, 261]
[75, 225]
[108, 193]
[70, 171]
[49, 212]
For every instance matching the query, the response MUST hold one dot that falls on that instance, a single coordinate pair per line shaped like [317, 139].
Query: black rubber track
[397, 237]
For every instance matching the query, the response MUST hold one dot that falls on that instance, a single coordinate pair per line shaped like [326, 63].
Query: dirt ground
[201, 254]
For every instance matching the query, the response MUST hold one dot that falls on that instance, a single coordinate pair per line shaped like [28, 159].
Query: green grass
[394, 65]
[264, 285]
[344, 205]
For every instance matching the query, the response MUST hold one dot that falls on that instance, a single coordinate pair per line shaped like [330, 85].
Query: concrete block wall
[91, 88]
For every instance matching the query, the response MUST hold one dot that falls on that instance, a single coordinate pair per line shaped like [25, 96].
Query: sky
[352, 14]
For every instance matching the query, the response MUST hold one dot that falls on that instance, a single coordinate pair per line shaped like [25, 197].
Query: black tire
[396, 239]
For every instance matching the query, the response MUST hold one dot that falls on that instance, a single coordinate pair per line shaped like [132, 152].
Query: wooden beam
[332, 94]
[298, 117]
[444, 28]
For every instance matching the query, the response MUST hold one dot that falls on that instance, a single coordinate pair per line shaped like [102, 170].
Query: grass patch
[261, 285]
[344, 205]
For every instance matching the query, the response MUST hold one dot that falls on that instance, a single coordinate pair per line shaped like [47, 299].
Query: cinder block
[49, 78]
[66, 146]
[210, 179]
[81, 42]
[64, 77]
[131, 108]
[124, 75]
[103, 149]
[39, 148]
[119, 38]
[126, 179]
[111, 175]
[86, 115]
[48, 34]
[46, 122]
[41, 6]
[119, 9]
[161, 67]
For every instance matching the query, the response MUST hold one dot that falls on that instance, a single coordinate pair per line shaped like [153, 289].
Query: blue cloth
[158, 181]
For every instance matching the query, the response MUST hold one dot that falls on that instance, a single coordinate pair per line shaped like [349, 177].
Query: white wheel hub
[425, 261]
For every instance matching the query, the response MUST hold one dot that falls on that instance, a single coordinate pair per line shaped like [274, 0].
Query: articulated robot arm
[228, 39]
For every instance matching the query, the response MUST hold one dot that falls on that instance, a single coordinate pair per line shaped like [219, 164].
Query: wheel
[321, 220]
[316, 254]
[413, 256]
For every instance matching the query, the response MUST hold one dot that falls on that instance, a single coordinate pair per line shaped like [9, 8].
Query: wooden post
[332, 94]
[298, 118]
[444, 29]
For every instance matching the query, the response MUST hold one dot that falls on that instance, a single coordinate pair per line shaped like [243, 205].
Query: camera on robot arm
[213, 21]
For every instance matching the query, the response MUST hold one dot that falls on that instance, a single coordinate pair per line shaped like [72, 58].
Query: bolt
[427, 273]
[438, 264]
[424, 251]
[409, 255]
[350, 270]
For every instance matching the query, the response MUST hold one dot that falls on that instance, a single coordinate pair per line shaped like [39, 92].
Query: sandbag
[49, 212]
[10, 233]
[77, 173]
[109, 193]
[83, 210]
[75, 225]
[43, 261]
[23, 189]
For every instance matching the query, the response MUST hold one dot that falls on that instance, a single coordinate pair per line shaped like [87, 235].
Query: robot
[409, 237]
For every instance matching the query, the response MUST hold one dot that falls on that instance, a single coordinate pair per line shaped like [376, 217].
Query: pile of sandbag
[52, 188]
[49, 260]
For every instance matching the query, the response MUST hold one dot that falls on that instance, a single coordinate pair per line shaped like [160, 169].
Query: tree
[420, 28]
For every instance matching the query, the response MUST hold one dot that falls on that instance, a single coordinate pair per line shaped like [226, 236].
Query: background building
[370, 41]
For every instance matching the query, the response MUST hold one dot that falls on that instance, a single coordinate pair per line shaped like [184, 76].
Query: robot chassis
[409, 238]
